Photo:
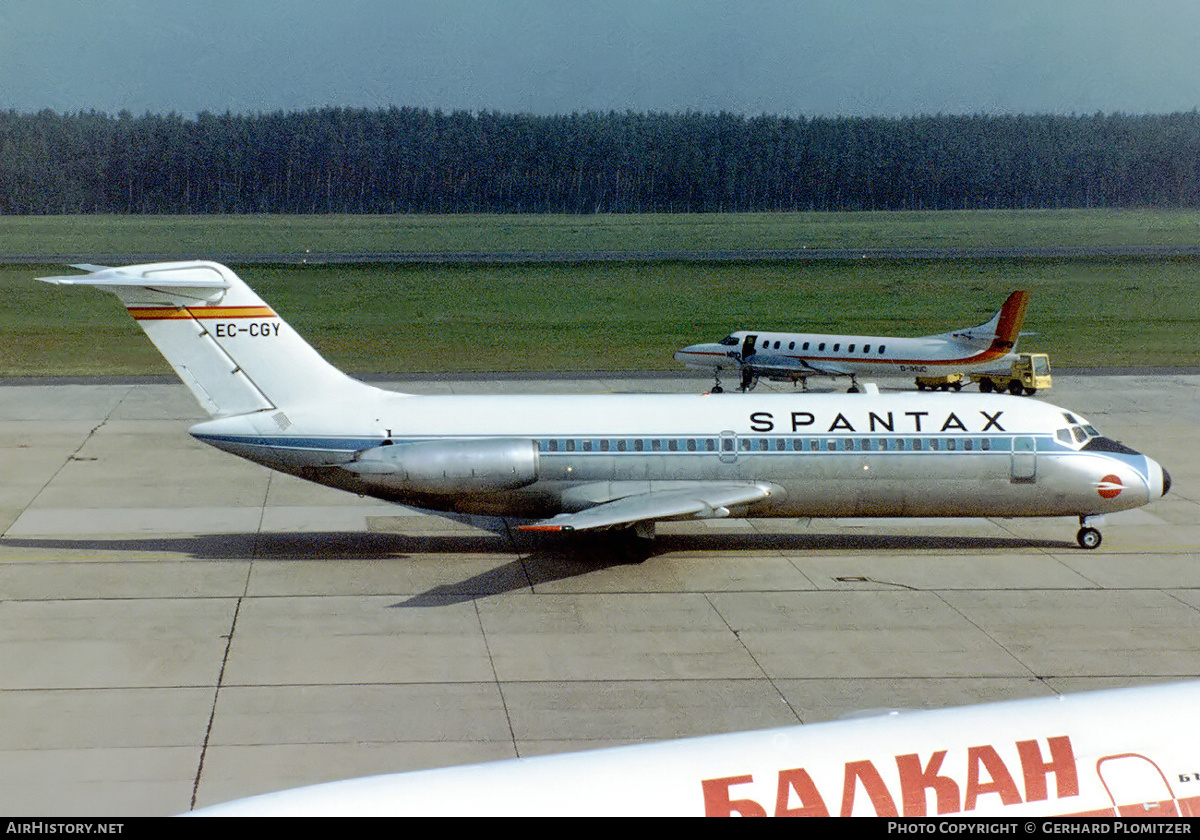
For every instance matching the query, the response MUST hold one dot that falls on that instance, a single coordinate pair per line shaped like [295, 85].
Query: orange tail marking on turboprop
[1012, 315]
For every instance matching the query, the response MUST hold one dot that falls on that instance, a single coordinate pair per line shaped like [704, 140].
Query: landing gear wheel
[717, 389]
[1088, 538]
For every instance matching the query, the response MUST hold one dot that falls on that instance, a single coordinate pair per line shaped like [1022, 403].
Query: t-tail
[1000, 333]
[233, 352]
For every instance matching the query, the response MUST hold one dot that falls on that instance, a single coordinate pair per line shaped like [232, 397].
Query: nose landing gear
[1089, 535]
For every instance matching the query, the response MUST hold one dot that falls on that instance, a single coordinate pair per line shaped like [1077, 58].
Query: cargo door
[1136, 786]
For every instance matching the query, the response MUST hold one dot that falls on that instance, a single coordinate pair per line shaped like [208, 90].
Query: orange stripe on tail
[1012, 315]
[162, 313]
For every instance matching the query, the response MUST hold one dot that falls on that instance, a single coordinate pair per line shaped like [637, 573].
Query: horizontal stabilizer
[196, 281]
[704, 500]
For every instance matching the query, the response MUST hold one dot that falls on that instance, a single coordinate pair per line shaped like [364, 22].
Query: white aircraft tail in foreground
[797, 356]
[1120, 753]
[595, 462]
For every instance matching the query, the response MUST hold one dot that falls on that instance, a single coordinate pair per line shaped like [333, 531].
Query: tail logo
[1109, 487]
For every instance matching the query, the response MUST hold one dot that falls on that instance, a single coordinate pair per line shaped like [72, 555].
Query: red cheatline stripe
[159, 313]
[993, 352]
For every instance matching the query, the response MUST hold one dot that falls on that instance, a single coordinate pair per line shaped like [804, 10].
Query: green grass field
[291, 237]
[632, 315]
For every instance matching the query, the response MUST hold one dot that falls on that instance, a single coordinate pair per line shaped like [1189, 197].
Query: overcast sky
[788, 57]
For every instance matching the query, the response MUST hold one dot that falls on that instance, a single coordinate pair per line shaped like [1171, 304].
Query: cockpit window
[729, 341]
[1076, 434]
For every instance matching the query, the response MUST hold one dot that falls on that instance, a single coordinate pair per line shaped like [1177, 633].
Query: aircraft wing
[768, 365]
[703, 500]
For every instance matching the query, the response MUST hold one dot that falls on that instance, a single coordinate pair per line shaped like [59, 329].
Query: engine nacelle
[449, 467]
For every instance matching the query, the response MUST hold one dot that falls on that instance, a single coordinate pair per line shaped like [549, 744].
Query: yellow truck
[1029, 374]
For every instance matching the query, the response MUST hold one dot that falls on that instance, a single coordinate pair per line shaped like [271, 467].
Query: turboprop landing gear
[1089, 536]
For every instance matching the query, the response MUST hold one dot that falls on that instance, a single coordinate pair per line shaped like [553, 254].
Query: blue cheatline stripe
[703, 444]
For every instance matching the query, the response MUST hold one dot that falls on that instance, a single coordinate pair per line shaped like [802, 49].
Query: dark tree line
[337, 160]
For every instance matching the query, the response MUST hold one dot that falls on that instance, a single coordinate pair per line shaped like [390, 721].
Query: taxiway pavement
[182, 628]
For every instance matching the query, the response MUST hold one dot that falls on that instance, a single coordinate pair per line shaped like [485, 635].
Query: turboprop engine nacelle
[447, 467]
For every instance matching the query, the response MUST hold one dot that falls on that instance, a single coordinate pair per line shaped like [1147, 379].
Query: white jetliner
[579, 463]
[1125, 752]
[794, 357]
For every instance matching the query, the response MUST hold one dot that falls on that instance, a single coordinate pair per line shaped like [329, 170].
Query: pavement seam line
[87, 439]
[212, 715]
[512, 735]
[738, 635]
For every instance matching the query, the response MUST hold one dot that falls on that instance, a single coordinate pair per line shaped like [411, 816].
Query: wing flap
[704, 500]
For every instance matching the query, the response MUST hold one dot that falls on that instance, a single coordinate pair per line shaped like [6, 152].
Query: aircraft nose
[694, 353]
[1160, 479]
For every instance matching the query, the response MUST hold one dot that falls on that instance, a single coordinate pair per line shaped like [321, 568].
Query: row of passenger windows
[866, 348]
[774, 444]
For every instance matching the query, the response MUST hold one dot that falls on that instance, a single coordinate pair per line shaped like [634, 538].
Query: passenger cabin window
[866, 348]
[850, 349]
[880, 348]
[791, 345]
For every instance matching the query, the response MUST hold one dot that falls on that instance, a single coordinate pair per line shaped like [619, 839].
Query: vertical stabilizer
[1001, 332]
[231, 349]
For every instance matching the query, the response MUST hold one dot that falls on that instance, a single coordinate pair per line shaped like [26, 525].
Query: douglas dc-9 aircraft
[793, 357]
[591, 462]
[1119, 753]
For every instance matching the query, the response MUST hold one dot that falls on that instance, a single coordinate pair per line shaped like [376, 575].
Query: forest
[410, 160]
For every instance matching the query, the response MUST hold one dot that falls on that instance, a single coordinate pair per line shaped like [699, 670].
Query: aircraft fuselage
[826, 456]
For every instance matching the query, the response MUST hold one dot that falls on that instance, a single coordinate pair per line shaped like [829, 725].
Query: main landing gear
[1089, 535]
